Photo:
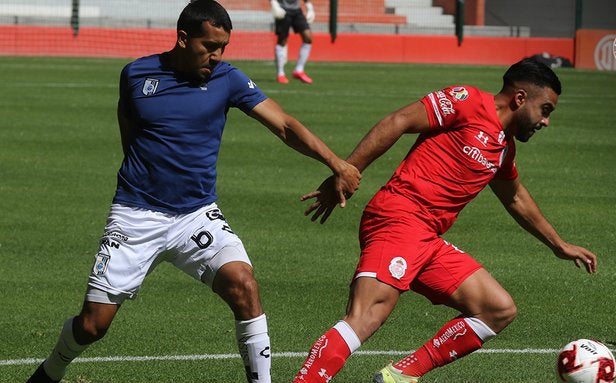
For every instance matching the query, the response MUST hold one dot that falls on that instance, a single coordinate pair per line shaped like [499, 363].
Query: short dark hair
[198, 11]
[532, 71]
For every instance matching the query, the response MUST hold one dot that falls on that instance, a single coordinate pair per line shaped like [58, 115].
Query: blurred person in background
[288, 14]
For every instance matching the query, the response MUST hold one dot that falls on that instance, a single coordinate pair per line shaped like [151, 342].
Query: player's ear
[182, 40]
[520, 97]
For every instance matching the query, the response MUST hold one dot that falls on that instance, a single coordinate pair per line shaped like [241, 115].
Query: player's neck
[171, 60]
[502, 102]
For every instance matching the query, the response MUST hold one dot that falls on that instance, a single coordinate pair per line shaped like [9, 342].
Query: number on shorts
[203, 239]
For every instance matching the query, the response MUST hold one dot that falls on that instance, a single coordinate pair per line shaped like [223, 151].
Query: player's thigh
[370, 304]
[481, 295]
[206, 243]
[393, 250]
[282, 28]
[447, 269]
[132, 240]
[299, 22]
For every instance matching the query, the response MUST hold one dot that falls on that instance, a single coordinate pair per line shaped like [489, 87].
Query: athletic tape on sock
[480, 328]
[349, 336]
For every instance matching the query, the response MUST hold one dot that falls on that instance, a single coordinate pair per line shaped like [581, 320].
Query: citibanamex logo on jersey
[605, 53]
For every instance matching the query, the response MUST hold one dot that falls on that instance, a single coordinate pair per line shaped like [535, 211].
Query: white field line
[28, 361]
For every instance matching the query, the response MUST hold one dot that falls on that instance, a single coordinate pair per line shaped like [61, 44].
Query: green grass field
[59, 153]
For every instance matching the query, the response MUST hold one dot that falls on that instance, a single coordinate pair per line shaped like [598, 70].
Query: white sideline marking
[21, 362]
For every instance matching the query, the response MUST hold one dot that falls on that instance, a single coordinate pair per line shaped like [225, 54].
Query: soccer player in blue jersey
[171, 111]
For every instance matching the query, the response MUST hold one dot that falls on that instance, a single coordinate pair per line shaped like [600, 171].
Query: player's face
[534, 113]
[203, 53]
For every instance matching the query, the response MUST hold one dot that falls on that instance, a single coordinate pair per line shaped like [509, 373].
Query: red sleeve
[449, 107]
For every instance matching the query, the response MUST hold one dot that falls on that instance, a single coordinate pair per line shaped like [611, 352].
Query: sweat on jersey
[448, 166]
[170, 165]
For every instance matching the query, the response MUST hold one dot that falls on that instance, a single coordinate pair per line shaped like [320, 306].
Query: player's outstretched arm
[293, 133]
[523, 208]
[412, 118]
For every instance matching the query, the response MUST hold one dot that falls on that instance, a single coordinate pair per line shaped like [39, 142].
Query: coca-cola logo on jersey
[444, 103]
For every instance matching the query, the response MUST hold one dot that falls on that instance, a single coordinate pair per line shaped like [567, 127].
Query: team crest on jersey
[149, 86]
[100, 265]
[397, 267]
[459, 93]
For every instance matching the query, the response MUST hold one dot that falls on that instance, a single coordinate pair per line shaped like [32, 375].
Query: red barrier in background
[436, 49]
[595, 49]
[132, 43]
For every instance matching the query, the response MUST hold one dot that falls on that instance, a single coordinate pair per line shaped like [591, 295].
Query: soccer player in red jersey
[466, 142]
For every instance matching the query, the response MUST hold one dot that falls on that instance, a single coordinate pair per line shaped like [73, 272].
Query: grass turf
[59, 152]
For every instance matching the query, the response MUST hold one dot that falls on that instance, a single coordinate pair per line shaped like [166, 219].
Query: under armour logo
[482, 138]
[323, 374]
[251, 84]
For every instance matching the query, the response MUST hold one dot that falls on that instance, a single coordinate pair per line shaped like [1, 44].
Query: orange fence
[595, 49]
[436, 49]
[100, 42]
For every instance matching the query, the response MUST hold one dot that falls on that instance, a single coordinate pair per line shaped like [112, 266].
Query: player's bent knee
[503, 316]
[236, 285]
[89, 330]
[509, 314]
[235, 278]
[93, 321]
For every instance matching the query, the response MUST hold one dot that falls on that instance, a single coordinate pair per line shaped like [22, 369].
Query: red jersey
[449, 165]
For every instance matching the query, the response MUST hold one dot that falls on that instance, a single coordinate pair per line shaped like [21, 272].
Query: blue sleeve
[244, 93]
[124, 99]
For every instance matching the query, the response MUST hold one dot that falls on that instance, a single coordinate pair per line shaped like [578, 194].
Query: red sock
[326, 357]
[454, 340]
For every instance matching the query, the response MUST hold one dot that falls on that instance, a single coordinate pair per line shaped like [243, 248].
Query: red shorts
[407, 255]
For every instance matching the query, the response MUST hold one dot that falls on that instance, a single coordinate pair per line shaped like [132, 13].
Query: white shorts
[136, 240]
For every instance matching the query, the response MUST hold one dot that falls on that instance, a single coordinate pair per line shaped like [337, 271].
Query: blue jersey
[170, 165]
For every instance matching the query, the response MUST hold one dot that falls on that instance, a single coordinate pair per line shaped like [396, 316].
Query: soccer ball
[585, 361]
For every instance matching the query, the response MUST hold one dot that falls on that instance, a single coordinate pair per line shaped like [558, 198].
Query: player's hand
[333, 191]
[326, 200]
[310, 15]
[277, 10]
[347, 179]
[579, 255]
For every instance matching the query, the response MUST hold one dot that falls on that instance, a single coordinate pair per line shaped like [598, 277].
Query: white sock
[63, 353]
[254, 345]
[304, 53]
[281, 58]
[349, 336]
[482, 330]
